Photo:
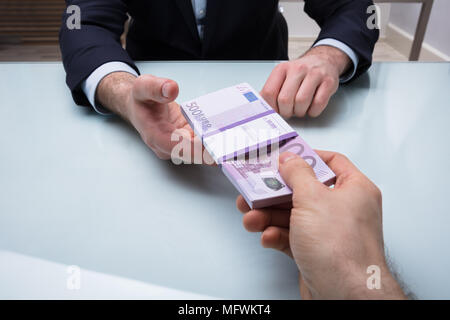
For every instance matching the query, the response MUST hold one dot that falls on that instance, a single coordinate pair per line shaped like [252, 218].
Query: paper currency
[234, 120]
[237, 126]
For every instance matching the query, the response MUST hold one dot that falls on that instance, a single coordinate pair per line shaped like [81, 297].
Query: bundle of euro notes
[244, 136]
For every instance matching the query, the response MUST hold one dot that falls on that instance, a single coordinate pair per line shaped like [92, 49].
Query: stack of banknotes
[245, 136]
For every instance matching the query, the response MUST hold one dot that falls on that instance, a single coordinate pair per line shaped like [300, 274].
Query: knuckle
[330, 81]
[340, 157]
[148, 141]
[162, 156]
[320, 101]
[146, 79]
[301, 67]
[300, 100]
[283, 100]
[139, 82]
[377, 194]
[280, 67]
[266, 93]
[317, 72]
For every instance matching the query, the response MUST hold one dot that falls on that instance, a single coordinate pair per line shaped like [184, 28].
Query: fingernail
[287, 156]
[166, 90]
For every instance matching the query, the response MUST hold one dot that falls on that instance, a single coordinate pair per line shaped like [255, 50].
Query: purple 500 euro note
[236, 122]
[259, 181]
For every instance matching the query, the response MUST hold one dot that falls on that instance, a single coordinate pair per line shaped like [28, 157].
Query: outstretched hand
[334, 235]
[148, 104]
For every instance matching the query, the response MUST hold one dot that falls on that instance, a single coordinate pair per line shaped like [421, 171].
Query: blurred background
[410, 29]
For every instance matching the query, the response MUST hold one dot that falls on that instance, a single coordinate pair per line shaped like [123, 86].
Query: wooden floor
[383, 52]
[30, 53]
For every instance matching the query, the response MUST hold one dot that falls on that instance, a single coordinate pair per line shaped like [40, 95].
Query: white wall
[405, 16]
[300, 25]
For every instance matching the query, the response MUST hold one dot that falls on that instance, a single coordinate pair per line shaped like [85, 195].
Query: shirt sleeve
[347, 50]
[89, 86]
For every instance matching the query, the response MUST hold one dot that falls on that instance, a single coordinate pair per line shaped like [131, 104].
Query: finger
[326, 89]
[273, 86]
[259, 220]
[287, 96]
[150, 88]
[208, 159]
[276, 238]
[348, 175]
[198, 154]
[306, 93]
[162, 155]
[242, 205]
[284, 206]
[298, 174]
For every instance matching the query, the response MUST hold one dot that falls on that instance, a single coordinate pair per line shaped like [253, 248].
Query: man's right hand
[147, 102]
[334, 235]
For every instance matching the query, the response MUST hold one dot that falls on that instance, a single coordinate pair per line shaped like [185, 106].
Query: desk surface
[80, 189]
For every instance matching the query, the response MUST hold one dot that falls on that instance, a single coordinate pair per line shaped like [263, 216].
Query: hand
[304, 86]
[147, 102]
[334, 235]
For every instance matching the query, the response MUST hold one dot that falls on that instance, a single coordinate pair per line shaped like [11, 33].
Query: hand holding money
[334, 235]
[244, 135]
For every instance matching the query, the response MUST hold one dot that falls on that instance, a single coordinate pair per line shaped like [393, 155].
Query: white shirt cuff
[347, 50]
[89, 86]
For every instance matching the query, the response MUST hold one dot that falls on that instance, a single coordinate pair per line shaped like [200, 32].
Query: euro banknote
[244, 136]
[234, 120]
[259, 181]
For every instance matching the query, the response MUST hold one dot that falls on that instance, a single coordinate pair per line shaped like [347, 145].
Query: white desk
[80, 189]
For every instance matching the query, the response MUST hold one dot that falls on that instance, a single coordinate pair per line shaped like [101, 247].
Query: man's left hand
[304, 86]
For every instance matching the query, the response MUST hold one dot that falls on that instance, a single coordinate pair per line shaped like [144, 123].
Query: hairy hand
[148, 103]
[334, 235]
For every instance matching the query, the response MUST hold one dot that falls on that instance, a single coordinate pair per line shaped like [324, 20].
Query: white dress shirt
[89, 86]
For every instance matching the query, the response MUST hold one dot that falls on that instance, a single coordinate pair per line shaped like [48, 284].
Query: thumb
[297, 173]
[151, 88]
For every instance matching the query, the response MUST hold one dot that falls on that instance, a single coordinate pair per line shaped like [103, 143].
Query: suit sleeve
[94, 44]
[346, 21]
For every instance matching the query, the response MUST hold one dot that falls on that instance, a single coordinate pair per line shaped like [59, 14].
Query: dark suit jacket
[166, 30]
